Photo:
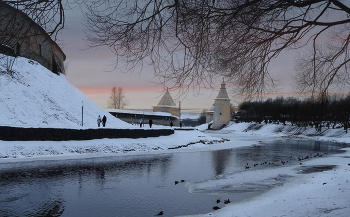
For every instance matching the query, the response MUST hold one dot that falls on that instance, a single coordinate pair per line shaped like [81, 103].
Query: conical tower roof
[166, 100]
[222, 93]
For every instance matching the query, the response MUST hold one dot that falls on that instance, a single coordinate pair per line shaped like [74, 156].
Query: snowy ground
[35, 97]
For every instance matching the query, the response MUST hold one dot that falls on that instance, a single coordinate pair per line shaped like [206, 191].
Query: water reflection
[140, 185]
[20, 172]
[221, 160]
[43, 188]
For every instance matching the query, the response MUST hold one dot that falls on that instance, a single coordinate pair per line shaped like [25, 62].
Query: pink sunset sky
[92, 72]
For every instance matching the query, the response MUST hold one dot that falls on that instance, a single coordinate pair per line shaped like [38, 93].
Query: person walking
[171, 124]
[104, 120]
[150, 122]
[99, 120]
[141, 123]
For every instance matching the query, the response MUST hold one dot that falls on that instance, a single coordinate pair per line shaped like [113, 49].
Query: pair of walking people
[103, 120]
[150, 122]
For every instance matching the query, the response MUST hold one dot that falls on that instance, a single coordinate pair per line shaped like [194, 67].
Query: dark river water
[141, 185]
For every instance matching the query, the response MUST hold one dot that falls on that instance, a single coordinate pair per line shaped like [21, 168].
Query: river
[144, 185]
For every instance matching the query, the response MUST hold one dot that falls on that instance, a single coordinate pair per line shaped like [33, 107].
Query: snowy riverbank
[284, 131]
[315, 194]
[36, 150]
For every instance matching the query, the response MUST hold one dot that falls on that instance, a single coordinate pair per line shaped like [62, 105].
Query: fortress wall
[21, 36]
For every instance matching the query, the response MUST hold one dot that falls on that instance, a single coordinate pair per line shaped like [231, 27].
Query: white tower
[222, 108]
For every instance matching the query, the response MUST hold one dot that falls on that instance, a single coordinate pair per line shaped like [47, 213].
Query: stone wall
[133, 118]
[21, 36]
[54, 134]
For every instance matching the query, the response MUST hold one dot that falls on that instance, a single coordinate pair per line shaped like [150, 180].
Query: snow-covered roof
[166, 100]
[136, 112]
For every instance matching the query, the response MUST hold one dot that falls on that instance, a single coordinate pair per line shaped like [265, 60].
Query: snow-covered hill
[36, 97]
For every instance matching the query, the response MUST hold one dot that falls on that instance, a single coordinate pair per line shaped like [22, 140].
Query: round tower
[222, 108]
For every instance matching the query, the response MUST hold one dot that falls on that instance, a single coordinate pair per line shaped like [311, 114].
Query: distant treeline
[328, 112]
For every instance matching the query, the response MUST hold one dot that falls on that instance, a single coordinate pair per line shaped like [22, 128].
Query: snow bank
[280, 130]
[35, 150]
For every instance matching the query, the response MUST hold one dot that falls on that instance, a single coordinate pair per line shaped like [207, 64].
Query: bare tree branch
[49, 14]
[190, 43]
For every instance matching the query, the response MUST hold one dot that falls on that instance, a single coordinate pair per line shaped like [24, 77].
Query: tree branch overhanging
[189, 43]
